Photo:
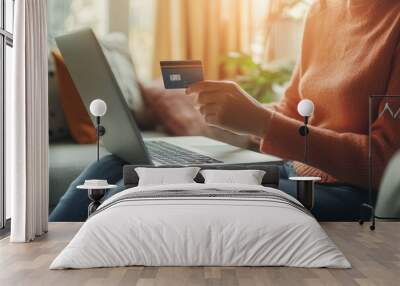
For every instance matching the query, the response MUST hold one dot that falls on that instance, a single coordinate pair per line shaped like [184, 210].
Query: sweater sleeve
[342, 155]
[290, 99]
[288, 103]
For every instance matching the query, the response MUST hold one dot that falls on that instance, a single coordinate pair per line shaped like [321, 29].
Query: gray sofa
[67, 161]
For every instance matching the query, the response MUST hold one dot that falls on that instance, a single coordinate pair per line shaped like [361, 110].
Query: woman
[350, 50]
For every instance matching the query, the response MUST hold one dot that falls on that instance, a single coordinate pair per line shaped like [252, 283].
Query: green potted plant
[265, 81]
[262, 81]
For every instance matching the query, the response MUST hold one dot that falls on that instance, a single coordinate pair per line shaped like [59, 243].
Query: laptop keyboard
[165, 153]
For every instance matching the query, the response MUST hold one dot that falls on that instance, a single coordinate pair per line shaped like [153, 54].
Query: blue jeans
[73, 205]
[332, 202]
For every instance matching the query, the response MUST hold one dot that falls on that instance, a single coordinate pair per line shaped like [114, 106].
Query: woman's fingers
[213, 113]
[211, 119]
[210, 92]
[202, 86]
[211, 97]
[226, 105]
[208, 85]
[209, 109]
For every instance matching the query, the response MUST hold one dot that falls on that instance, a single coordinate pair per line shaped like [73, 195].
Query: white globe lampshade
[305, 108]
[98, 107]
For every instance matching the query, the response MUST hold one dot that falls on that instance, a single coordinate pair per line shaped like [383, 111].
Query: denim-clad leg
[73, 205]
[332, 202]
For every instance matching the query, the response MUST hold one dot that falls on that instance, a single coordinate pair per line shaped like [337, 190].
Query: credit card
[181, 74]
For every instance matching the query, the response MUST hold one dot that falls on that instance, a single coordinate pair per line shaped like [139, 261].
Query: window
[137, 20]
[142, 20]
[6, 43]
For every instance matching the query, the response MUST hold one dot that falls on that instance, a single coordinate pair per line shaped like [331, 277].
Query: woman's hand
[225, 104]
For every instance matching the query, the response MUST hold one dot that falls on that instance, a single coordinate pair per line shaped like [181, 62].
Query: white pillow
[247, 177]
[116, 49]
[166, 176]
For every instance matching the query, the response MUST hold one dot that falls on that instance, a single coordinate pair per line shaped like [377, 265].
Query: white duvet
[200, 231]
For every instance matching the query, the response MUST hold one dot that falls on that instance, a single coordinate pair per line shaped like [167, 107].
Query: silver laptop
[94, 78]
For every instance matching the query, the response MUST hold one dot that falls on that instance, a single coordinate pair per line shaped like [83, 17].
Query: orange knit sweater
[350, 50]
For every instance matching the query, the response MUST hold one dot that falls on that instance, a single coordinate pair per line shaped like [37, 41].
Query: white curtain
[27, 123]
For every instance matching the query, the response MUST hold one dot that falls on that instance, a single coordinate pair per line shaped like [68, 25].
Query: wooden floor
[375, 257]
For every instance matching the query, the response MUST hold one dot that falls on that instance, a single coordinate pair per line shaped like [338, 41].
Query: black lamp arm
[100, 131]
[303, 130]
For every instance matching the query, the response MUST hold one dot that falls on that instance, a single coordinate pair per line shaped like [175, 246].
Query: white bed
[237, 229]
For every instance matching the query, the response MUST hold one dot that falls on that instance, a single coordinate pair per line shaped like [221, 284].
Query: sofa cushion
[116, 49]
[78, 120]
